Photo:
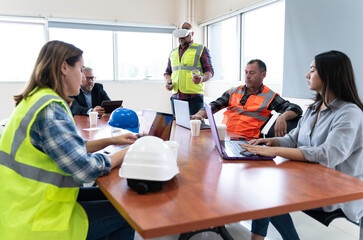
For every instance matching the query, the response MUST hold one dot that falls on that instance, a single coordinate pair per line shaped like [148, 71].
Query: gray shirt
[335, 141]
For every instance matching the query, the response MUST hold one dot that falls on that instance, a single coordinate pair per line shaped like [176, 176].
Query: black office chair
[327, 217]
[222, 231]
[291, 124]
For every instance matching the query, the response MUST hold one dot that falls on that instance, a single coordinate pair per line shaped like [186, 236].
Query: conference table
[210, 192]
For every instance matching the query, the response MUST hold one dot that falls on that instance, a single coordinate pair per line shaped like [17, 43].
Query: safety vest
[247, 120]
[181, 70]
[37, 199]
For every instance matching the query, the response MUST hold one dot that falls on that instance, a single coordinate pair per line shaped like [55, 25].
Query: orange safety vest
[247, 120]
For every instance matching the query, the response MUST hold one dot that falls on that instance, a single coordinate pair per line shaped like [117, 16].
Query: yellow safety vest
[181, 70]
[37, 199]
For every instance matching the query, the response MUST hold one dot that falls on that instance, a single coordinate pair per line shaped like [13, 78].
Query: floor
[308, 229]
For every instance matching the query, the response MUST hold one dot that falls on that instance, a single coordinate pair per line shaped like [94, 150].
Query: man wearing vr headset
[189, 66]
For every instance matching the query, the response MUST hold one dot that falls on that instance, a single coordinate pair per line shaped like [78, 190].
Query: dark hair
[260, 63]
[337, 75]
[47, 69]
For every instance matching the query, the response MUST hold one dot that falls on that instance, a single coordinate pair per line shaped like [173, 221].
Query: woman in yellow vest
[43, 161]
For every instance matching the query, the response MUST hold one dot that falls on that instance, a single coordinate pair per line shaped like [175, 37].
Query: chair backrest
[3, 122]
[267, 125]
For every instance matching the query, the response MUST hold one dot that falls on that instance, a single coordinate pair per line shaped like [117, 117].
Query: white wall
[7, 91]
[140, 95]
[312, 27]
[210, 9]
[139, 11]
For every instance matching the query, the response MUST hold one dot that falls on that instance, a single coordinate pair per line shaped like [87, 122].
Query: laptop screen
[213, 126]
[156, 124]
[227, 155]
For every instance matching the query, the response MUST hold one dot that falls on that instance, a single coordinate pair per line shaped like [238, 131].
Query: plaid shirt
[205, 61]
[54, 133]
[278, 104]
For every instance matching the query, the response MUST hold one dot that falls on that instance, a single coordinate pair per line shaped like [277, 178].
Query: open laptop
[156, 124]
[230, 149]
[152, 123]
[110, 105]
[182, 116]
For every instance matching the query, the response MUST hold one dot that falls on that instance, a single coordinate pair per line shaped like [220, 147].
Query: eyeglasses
[90, 78]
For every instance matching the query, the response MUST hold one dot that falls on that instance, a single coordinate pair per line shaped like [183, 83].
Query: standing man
[90, 97]
[182, 60]
[249, 106]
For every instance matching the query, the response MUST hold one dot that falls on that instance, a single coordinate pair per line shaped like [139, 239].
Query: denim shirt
[335, 141]
[53, 132]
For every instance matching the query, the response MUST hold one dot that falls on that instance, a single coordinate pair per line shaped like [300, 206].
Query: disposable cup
[195, 127]
[93, 118]
[221, 131]
[195, 72]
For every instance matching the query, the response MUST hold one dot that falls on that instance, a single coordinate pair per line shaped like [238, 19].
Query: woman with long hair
[44, 161]
[329, 133]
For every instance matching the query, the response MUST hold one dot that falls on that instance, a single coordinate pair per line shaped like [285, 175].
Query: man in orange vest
[249, 106]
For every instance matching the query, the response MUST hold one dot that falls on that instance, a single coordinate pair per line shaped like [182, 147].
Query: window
[118, 52]
[263, 38]
[97, 47]
[258, 33]
[20, 43]
[142, 55]
[115, 52]
[223, 39]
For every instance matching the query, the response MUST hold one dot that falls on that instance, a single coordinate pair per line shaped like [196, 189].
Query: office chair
[268, 129]
[327, 217]
[3, 122]
[222, 231]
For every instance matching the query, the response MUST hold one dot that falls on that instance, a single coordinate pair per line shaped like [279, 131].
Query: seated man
[249, 106]
[90, 97]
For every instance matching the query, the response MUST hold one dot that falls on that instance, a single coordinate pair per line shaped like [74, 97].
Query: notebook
[182, 116]
[156, 124]
[110, 105]
[230, 149]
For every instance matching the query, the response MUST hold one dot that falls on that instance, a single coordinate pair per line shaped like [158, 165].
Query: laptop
[156, 124]
[110, 105]
[182, 116]
[230, 149]
[152, 123]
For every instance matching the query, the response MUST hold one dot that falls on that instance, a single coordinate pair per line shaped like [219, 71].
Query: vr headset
[182, 33]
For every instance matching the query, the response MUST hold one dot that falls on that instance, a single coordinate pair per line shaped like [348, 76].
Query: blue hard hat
[124, 118]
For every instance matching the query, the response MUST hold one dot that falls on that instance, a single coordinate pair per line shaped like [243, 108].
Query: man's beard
[89, 88]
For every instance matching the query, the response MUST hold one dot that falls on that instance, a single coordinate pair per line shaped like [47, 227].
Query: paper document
[278, 160]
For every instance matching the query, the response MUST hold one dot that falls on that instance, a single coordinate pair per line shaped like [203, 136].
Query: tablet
[110, 105]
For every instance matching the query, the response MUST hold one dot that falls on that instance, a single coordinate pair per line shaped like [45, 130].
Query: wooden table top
[209, 191]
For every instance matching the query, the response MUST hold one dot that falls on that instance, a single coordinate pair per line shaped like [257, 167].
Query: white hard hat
[149, 158]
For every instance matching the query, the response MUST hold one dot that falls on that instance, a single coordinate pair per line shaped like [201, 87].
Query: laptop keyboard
[235, 147]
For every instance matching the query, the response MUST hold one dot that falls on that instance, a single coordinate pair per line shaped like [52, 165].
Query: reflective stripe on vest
[255, 114]
[28, 171]
[196, 60]
[182, 67]
[33, 184]
[247, 120]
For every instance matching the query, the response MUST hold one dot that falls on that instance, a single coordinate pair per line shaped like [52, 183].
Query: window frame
[114, 27]
[240, 45]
